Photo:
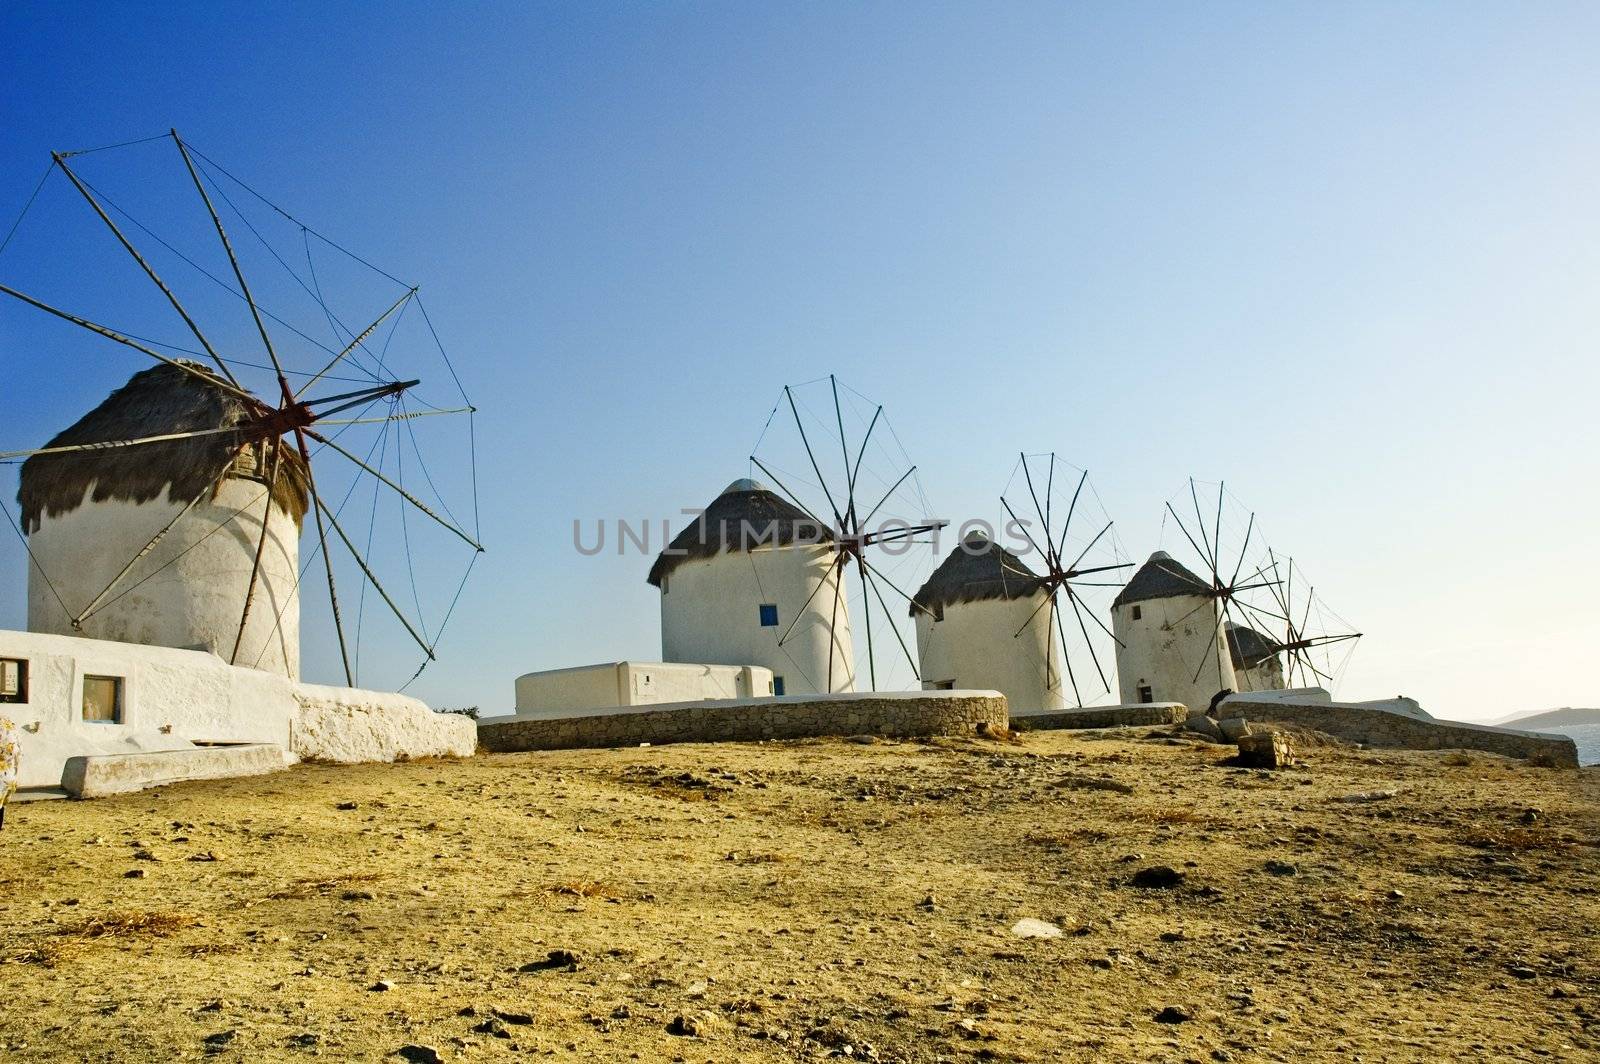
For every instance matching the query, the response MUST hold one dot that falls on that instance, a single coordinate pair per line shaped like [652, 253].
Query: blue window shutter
[769, 615]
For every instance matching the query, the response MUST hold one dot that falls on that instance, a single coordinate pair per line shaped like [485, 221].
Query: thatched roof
[978, 569]
[745, 516]
[1162, 576]
[154, 402]
[1249, 647]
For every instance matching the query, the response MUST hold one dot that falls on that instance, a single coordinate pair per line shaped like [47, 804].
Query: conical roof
[1163, 576]
[1249, 647]
[745, 516]
[977, 569]
[160, 400]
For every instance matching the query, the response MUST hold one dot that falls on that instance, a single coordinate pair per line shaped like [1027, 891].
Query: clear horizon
[1342, 259]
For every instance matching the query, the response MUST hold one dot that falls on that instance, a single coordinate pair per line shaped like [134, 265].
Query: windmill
[1091, 555]
[1225, 578]
[1305, 625]
[872, 513]
[223, 417]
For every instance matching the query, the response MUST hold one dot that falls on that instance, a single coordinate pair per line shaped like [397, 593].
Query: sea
[1587, 736]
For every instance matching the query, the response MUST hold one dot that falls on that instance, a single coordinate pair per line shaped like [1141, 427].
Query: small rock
[217, 1041]
[1532, 816]
[862, 740]
[519, 1019]
[1172, 936]
[136, 873]
[1174, 1014]
[1157, 877]
[1522, 971]
[562, 959]
[1282, 868]
[697, 1025]
[1204, 726]
[381, 986]
[1396, 893]
[347, 806]
[357, 895]
[1265, 750]
[1233, 728]
[420, 1054]
[1028, 927]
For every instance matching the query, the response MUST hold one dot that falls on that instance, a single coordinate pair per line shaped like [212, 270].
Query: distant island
[1565, 717]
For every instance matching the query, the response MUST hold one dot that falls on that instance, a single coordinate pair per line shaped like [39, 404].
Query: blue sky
[1342, 256]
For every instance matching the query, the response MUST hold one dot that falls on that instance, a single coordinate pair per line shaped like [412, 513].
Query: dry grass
[159, 924]
[584, 888]
[1517, 839]
[1177, 814]
[315, 888]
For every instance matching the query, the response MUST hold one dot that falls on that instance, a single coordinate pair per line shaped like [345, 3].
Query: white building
[89, 514]
[982, 623]
[142, 691]
[559, 693]
[752, 582]
[1169, 637]
[1256, 664]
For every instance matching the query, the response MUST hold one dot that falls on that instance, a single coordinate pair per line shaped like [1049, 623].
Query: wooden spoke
[111, 334]
[233, 260]
[145, 265]
[1200, 522]
[820, 523]
[844, 452]
[886, 495]
[356, 342]
[261, 546]
[873, 583]
[833, 622]
[1084, 553]
[862, 452]
[1026, 534]
[327, 560]
[1049, 553]
[401, 617]
[1066, 658]
[1185, 530]
[108, 445]
[895, 588]
[1044, 602]
[94, 606]
[801, 612]
[1062, 546]
[838, 520]
[866, 604]
[1245, 549]
[1073, 601]
[404, 494]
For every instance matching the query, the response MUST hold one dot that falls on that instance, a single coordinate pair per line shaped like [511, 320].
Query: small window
[1145, 694]
[1137, 613]
[769, 615]
[944, 685]
[13, 680]
[102, 699]
[777, 685]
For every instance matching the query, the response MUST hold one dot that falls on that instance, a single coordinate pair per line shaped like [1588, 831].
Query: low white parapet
[99, 775]
[351, 726]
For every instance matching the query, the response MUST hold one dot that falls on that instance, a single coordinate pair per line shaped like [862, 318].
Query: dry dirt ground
[803, 900]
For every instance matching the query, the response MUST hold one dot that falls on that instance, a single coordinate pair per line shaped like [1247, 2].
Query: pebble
[420, 1054]
[1028, 927]
[1174, 1014]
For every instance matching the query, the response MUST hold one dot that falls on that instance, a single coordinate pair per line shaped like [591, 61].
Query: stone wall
[1145, 713]
[922, 713]
[1379, 728]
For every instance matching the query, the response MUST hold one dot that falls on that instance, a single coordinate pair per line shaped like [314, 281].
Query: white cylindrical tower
[982, 624]
[734, 581]
[1170, 646]
[88, 514]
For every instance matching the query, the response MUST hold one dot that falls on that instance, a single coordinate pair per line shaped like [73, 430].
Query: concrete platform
[99, 775]
[904, 714]
[1144, 713]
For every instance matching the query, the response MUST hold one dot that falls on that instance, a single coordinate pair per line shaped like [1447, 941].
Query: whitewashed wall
[975, 647]
[174, 699]
[197, 576]
[1164, 647]
[709, 613]
[559, 692]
